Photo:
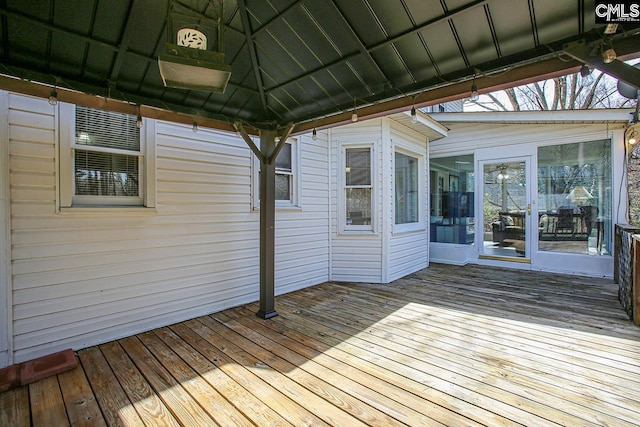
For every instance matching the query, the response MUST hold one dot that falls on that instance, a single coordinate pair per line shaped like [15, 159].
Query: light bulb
[139, 119]
[195, 127]
[314, 134]
[414, 115]
[354, 117]
[53, 98]
[586, 79]
[474, 93]
[609, 55]
[633, 138]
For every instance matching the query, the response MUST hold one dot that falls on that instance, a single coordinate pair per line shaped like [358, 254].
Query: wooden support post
[267, 225]
[267, 153]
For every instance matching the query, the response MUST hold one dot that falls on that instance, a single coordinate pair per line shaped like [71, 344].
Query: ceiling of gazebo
[310, 62]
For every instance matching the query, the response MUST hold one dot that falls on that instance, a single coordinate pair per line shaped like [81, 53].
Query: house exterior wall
[408, 250]
[386, 253]
[464, 138]
[356, 256]
[80, 276]
[87, 276]
[6, 325]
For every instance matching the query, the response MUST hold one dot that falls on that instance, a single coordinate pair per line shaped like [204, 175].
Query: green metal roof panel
[298, 60]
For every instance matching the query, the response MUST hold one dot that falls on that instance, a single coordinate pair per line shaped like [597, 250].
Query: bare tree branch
[511, 94]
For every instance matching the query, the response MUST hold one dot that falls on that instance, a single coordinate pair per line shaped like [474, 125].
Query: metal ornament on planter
[192, 38]
[194, 55]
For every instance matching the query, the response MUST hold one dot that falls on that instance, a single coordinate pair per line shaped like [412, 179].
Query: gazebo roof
[308, 62]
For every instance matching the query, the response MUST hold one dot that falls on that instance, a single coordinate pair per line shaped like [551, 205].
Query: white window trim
[420, 225]
[343, 227]
[296, 161]
[147, 159]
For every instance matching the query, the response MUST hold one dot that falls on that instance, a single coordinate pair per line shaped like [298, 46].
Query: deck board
[117, 409]
[79, 399]
[47, 405]
[14, 408]
[446, 346]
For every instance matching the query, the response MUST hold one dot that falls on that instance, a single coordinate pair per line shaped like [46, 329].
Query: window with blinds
[107, 157]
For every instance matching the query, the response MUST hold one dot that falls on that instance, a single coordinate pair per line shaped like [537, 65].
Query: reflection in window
[574, 198]
[106, 174]
[285, 179]
[358, 188]
[406, 189]
[452, 199]
[284, 173]
[107, 160]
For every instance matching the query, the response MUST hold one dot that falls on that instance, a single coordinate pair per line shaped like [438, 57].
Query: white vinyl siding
[86, 276]
[466, 137]
[408, 245]
[6, 303]
[387, 251]
[356, 255]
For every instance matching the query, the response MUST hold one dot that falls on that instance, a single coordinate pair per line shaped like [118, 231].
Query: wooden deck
[455, 346]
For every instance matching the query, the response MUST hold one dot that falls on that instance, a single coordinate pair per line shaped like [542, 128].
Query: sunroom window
[575, 198]
[452, 199]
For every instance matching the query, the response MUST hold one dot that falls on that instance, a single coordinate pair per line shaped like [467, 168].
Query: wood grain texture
[144, 399]
[47, 405]
[446, 346]
[82, 408]
[14, 408]
[112, 399]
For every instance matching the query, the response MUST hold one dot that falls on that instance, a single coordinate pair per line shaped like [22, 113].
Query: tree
[561, 93]
[569, 93]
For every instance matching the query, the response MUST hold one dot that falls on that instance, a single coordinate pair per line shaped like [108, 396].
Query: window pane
[358, 166]
[283, 187]
[106, 129]
[105, 174]
[452, 195]
[283, 161]
[358, 206]
[406, 191]
[574, 198]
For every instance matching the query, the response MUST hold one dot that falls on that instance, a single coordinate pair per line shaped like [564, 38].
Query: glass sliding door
[506, 209]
